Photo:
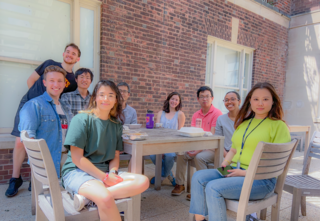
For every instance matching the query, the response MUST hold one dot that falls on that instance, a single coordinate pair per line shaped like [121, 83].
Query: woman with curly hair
[171, 117]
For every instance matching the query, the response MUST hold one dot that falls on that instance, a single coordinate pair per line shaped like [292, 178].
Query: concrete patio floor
[160, 205]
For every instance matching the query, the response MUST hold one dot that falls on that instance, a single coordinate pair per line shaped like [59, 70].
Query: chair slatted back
[313, 151]
[269, 160]
[36, 158]
[43, 172]
[273, 159]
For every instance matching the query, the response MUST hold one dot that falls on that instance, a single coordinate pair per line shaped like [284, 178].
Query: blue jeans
[167, 163]
[209, 190]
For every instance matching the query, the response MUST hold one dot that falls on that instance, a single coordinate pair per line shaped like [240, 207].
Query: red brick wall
[282, 5]
[302, 6]
[6, 167]
[158, 52]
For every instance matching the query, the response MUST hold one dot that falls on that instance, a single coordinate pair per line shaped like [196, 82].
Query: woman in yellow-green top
[259, 119]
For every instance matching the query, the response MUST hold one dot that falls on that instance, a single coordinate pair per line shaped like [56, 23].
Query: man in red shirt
[208, 115]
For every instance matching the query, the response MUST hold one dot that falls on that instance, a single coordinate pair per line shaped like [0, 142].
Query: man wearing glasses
[208, 113]
[129, 112]
[205, 118]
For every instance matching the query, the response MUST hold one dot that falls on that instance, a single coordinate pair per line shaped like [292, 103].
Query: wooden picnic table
[160, 141]
[300, 128]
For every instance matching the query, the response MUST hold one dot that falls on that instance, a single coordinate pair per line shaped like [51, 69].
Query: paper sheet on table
[208, 134]
[134, 135]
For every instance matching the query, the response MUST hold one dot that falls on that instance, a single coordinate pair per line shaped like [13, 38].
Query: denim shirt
[40, 119]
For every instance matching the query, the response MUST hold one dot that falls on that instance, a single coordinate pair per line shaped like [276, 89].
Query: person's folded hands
[236, 172]
[112, 179]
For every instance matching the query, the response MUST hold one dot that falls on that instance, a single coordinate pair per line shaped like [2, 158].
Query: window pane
[13, 81]
[208, 64]
[219, 94]
[86, 37]
[246, 71]
[34, 30]
[227, 67]
[243, 96]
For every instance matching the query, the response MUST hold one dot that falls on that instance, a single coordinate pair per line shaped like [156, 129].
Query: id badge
[238, 165]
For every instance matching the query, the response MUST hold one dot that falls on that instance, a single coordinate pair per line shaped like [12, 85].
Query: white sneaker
[79, 202]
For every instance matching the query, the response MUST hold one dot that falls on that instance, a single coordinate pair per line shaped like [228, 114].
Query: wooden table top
[163, 135]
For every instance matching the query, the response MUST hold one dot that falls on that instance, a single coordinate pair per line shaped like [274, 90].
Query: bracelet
[105, 179]
[227, 161]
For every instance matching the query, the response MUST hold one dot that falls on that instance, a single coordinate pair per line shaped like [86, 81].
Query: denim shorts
[74, 179]
[15, 131]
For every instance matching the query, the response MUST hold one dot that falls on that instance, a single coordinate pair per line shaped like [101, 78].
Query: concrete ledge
[7, 141]
[263, 10]
[272, 8]
[305, 19]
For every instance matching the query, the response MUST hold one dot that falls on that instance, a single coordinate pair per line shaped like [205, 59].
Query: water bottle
[150, 119]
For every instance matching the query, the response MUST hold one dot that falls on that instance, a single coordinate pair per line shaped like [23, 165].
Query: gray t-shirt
[130, 115]
[225, 127]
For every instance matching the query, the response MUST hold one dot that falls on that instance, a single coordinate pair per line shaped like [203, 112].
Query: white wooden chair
[269, 160]
[301, 138]
[56, 204]
[304, 185]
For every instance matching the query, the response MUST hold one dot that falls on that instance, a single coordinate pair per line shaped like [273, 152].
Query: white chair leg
[40, 216]
[263, 214]
[275, 212]
[33, 199]
[128, 214]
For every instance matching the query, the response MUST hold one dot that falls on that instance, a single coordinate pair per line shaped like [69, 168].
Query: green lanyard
[244, 139]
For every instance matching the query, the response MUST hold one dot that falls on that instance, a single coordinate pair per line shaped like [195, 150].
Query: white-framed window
[228, 68]
[37, 30]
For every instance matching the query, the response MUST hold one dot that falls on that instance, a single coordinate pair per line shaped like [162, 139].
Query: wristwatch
[114, 171]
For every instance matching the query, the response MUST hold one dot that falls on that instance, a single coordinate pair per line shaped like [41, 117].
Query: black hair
[124, 84]
[166, 106]
[204, 88]
[80, 71]
[237, 94]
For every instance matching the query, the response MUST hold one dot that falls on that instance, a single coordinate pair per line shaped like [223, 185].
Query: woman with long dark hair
[259, 119]
[94, 139]
[171, 117]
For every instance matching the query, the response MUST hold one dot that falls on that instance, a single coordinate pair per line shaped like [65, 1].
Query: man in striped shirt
[79, 99]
